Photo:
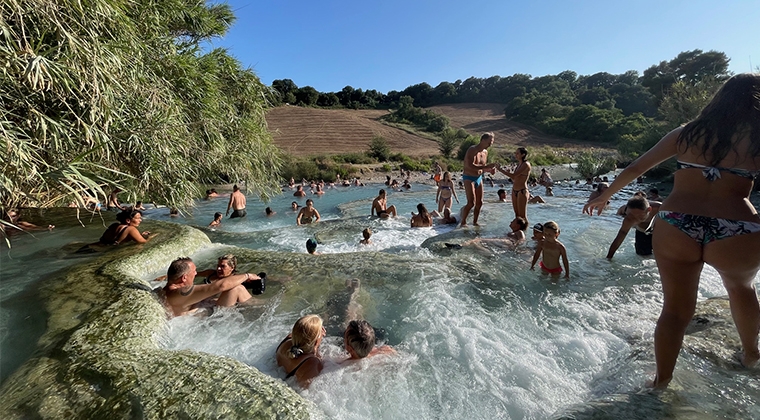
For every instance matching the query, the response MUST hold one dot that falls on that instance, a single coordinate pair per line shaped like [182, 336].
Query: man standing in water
[474, 165]
[237, 203]
[181, 293]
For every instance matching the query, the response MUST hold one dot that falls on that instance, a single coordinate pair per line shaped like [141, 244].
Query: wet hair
[641, 193]
[501, 191]
[311, 245]
[310, 201]
[447, 176]
[268, 210]
[127, 214]
[138, 204]
[235, 188]
[231, 260]
[382, 191]
[297, 206]
[551, 225]
[360, 336]
[366, 233]
[208, 192]
[217, 216]
[521, 222]
[424, 213]
[654, 191]
[524, 152]
[638, 202]
[733, 109]
[486, 136]
[177, 269]
[305, 334]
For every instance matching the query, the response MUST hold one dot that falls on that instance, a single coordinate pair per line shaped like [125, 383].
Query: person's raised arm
[667, 147]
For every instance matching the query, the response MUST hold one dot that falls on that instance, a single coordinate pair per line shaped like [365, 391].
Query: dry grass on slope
[313, 131]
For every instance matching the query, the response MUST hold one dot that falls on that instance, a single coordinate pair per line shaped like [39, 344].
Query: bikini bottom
[705, 229]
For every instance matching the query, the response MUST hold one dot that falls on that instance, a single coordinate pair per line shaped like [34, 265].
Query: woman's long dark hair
[424, 214]
[735, 107]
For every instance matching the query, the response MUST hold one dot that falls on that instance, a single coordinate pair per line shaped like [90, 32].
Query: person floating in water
[14, 219]
[639, 214]
[474, 165]
[550, 250]
[707, 218]
[380, 206]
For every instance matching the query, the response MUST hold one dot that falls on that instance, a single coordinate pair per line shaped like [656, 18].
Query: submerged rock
[100, 357]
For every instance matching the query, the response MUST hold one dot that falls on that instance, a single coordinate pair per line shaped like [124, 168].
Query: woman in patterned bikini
[707, 218]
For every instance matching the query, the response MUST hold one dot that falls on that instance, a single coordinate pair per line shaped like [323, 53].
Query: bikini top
[293, 372]
[711, 173]
[444, 187]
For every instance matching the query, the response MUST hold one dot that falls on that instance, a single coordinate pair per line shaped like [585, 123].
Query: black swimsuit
[293, 372]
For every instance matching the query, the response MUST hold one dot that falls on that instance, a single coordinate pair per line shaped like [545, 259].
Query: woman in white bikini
[707, 218]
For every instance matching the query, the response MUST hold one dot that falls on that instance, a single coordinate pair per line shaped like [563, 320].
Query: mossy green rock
[100, 358]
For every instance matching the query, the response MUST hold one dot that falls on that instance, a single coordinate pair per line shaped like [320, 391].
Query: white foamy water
[477, 334]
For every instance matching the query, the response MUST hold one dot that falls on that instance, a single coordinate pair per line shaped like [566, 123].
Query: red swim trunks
[550, 270]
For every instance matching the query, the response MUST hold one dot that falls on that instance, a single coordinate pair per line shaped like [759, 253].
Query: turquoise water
[477, 334]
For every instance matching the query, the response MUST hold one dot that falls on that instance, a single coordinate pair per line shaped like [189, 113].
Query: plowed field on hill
[313, 131]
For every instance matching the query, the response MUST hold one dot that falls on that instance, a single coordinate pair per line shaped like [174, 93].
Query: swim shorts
[550, 270]
[238, 213]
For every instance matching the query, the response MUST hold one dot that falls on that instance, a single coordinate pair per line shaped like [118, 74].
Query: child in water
[366, 233]
[552, 250]
[217, 220]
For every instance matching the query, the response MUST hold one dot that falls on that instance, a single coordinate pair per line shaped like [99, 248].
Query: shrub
[378, 149]
[466, 143]
[594, 163]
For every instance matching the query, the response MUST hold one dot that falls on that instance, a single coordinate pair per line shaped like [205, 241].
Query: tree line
[626, 110]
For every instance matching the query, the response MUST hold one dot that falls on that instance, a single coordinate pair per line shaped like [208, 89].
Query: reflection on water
[478, 334]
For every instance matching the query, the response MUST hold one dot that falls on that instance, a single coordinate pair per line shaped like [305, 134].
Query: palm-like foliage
[99, 93]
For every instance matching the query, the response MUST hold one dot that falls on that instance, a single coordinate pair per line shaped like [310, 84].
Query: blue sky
[390, 45]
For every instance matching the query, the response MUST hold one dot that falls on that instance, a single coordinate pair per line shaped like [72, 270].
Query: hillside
[312, 131]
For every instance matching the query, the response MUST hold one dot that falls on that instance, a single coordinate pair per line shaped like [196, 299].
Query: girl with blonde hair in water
[707, 218]
[298, 353]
